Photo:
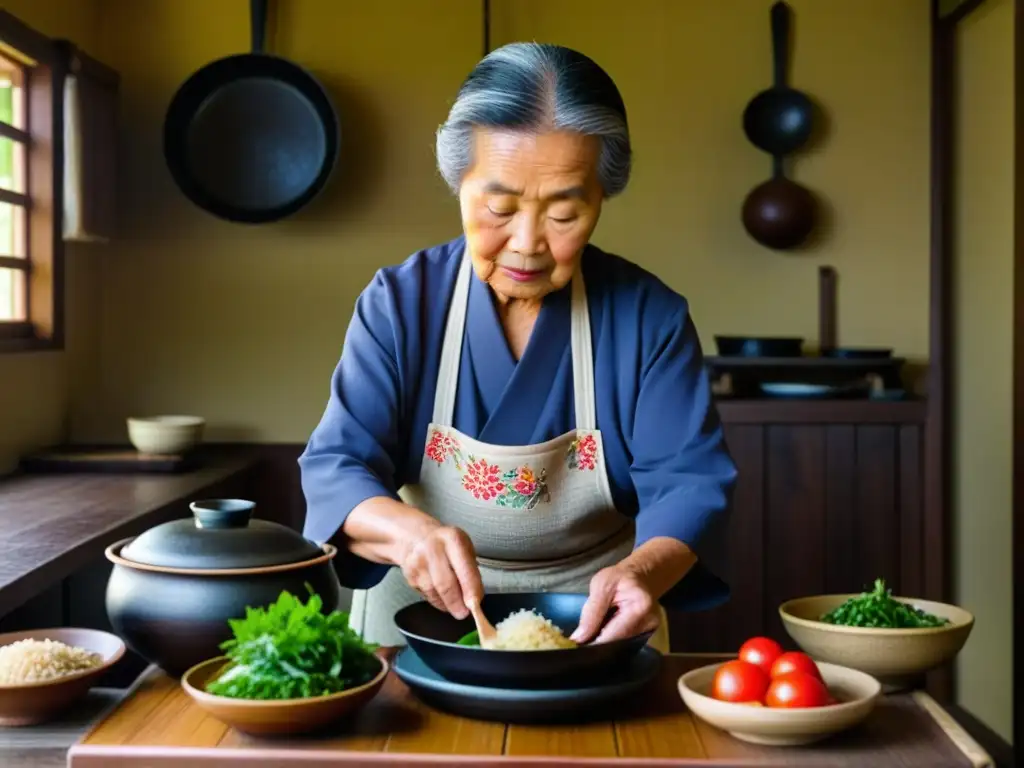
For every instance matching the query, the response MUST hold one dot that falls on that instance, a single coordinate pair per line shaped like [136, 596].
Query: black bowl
[434, 636]
[759, 346]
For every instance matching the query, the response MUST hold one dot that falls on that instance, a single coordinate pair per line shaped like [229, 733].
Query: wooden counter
[52, 525]
[158, 725]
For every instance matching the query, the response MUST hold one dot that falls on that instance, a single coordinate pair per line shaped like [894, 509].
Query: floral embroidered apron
[541, 517]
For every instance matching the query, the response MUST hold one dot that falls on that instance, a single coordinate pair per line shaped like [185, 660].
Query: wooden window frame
[44, 83]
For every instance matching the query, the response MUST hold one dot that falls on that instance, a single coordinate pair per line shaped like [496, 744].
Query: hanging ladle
[779, 213]
[779, 120]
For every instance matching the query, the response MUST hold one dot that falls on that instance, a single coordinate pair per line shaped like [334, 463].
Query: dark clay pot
[173, 589]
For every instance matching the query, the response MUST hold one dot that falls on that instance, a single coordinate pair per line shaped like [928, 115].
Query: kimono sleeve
[681, 469]
[350, 456]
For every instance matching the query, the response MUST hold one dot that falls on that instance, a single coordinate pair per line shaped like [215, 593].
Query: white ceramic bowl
[856, 691]
[165, 435]
[897, 657]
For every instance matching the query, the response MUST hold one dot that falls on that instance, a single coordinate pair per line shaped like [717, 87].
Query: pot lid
[220, 534]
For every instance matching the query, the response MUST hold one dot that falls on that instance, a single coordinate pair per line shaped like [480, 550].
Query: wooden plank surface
[53, 525]
[159, 726]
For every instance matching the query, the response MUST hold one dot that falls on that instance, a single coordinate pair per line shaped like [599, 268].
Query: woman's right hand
[441, 565]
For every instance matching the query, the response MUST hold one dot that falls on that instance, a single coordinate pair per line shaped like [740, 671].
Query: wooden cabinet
[829, 498]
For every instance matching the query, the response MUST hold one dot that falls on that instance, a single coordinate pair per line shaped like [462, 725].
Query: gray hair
[537, 86]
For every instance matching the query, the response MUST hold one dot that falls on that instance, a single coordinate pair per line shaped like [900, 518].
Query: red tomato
[794, 661]
[760, 651]
[739, 681]
[796, 690]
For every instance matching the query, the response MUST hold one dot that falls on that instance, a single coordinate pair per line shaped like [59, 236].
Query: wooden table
[158, 725]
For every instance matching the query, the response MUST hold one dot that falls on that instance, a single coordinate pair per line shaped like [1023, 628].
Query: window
[14, 202]
[30, 193]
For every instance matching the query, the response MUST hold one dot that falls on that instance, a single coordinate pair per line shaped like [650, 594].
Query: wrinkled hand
[442, 567]
[636, 610]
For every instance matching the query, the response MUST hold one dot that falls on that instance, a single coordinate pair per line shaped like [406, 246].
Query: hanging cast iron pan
[779, 120]
[253, 137]
[779, 213]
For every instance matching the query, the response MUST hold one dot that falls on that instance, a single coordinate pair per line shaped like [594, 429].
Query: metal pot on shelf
[174, 588]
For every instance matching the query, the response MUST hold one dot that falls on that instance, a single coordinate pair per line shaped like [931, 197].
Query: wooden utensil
[485, 630]
[779, 213]
[779, 120]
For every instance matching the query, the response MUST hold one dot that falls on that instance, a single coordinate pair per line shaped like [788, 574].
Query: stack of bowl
[521, 686]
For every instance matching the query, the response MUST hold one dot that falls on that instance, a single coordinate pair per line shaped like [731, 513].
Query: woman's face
[529, 205]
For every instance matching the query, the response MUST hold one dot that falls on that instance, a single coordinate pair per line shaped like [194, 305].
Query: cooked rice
[31, 661]
[527, 630]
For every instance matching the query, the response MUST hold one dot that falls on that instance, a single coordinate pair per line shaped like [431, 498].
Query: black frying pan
[434, 635]
[252, 137]
[778, 120]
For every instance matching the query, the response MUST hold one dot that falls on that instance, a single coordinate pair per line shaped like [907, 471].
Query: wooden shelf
[805, 361]
[769, 411]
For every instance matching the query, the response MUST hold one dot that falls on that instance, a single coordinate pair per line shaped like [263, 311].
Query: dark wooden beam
[937, 452]
[1018, 374]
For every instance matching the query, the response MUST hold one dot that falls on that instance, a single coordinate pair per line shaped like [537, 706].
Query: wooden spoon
[484, 629]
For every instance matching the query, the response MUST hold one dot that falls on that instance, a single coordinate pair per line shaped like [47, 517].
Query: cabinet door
[817, 509]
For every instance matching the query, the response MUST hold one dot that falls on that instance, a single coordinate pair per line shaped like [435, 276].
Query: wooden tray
[105, 459]
[157, 725]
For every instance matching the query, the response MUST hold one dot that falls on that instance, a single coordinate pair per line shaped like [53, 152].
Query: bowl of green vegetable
[288, 669]
[895, 639]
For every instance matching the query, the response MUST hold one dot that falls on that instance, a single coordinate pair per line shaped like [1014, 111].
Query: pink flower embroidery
[442, 447]
[518, 488]
[582, 453]
[483, 480]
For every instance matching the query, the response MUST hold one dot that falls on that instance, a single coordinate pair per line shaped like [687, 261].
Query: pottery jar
[173, 589]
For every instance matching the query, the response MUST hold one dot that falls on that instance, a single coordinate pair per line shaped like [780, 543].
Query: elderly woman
[516, 409]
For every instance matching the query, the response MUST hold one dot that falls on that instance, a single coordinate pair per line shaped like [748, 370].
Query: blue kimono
[667, 461]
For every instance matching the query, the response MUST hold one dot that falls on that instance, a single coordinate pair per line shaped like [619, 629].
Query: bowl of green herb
[288, 669]
[895, 639]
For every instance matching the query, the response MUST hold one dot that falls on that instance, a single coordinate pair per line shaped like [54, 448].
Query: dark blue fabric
[667, 461]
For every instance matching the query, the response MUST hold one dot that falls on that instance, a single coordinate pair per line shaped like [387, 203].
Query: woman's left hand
[636, 610]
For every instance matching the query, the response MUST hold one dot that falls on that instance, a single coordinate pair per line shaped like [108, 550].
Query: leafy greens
[291, 650]
[472, 638]
[879, 609]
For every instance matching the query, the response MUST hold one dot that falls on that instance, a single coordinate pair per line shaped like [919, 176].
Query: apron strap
[451, 348]
[451, 352]
[582, 356]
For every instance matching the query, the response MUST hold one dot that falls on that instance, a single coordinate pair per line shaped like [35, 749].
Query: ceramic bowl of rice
[45, 671]
[533, 648]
